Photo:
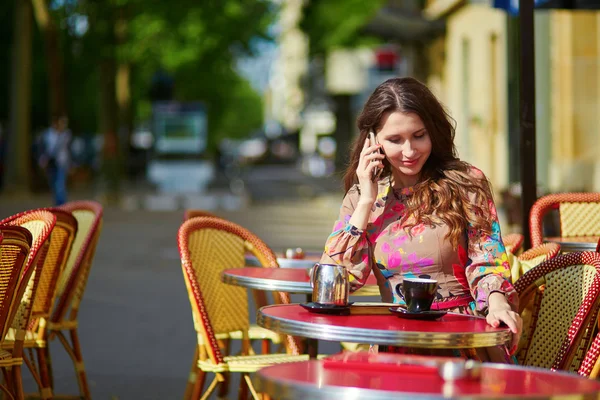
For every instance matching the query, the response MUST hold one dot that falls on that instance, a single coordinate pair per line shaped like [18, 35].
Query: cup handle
[398, 291]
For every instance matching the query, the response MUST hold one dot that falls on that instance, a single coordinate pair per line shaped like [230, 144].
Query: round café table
[576, 243]
[310, 258]
[452, 331]
[313, 380]
[289, 280]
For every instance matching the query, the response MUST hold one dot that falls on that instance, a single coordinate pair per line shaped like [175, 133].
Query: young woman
[414, 209]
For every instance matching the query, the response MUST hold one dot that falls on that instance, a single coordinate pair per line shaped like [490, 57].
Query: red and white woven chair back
[559, 301]
[579, 215]
[207, 246]
[40, 224]
[73, 278]
[513, 242]
[14, 250]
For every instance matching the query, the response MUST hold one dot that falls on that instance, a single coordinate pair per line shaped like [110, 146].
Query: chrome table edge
[431, 340]
[577, 246]
[286, 286]
[267, 284]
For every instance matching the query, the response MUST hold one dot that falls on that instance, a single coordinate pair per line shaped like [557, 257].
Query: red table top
[310, 379]
[279, 274]
[450, 331]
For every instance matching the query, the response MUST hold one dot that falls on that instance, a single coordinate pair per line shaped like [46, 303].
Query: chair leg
[266, 346]
[75, 353]
[19, 394]
[46, 388]
[210, 389]
[250, 386]
[224, 387]
[243, 389]
[194, 370]
[48, 367]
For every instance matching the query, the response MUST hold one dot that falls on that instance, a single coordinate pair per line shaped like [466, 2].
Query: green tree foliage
[332, 24]
[197, 43]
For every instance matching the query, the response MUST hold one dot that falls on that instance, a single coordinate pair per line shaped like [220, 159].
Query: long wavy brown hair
[449, 190]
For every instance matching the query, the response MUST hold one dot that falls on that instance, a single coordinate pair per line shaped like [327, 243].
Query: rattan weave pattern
[212, 251]
[11, 254]
[579, 219]
[40, 223]
[85, 222]
[565, 306]
[14, 250]
[73, 279]
[250, 363]
[554, 201]
[546, 250]
[513, 243]
[61, 240]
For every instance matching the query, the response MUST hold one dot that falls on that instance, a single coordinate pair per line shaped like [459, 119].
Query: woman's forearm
[497, 300]
[360, 216]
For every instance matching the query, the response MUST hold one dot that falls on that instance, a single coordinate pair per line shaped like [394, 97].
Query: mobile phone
[373, 141]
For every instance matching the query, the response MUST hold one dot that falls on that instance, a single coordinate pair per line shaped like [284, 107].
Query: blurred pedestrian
[413, 209]
[55, 157]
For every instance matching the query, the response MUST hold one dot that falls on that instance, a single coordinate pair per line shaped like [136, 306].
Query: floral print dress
[466, 275]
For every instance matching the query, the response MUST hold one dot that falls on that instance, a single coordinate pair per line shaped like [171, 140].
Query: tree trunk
[108, 120]
[123, 86]
[18, 166]
[54, 63]
[344, 130]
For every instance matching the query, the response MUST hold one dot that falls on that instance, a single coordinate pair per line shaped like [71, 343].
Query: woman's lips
[410, 163]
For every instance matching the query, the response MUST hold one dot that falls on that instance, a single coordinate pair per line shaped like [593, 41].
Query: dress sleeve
[347, 245]
[488, 269]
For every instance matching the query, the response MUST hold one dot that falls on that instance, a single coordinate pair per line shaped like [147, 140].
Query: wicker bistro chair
[61, 241]
[255, 332]
[40, 224]
[513, 242]
[579, 215]
[207, 246]
[71, 285]
[14, 250]
[532, 257]
[559, 302]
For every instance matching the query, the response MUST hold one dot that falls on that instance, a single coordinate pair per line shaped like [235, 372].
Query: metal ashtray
[459, 369]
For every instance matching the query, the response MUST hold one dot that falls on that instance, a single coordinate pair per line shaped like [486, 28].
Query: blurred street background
[247, 108]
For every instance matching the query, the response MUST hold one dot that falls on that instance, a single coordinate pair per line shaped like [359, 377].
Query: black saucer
[423, 315]
[330, 309]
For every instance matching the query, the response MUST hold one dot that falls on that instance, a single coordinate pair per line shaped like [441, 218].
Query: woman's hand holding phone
[370, 166]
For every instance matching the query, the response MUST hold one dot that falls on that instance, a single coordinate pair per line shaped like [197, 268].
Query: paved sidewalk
[135, 321]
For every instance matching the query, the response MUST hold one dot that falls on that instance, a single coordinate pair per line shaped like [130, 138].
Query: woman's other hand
[500, 311]
[371, 158]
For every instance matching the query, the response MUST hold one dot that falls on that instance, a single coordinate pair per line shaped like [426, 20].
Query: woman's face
[407, 145]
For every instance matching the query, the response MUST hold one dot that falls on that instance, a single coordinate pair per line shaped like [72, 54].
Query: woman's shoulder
[473, 172]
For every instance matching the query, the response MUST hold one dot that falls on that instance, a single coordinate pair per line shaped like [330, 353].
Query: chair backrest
[530, 258]
[40, 223]
[14, 250]
[59, 248]
[579, 215]
[207, 246]
[558, 300]
[194, 212]
[266, 259]
[73, 279]
[513, 242]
